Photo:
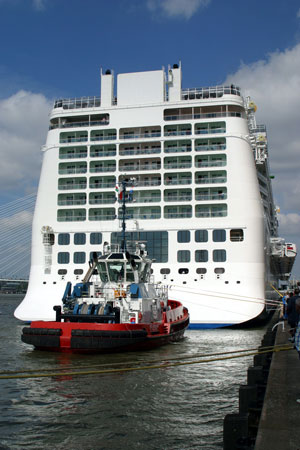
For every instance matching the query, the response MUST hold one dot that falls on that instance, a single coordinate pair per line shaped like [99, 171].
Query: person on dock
[292, 314]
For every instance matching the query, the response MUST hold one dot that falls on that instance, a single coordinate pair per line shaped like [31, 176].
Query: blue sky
[55, 48]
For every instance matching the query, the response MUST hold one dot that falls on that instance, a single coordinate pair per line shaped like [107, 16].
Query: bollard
[247, 398]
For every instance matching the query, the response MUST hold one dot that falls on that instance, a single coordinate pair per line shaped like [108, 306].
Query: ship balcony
[208, 145]
[141, 213]
[177, 195]
[178, 162]
[144, 181]
[73, 136]
[177, 130]
[210, 177]
[178, 212]
[182, 146]
[72, 183]
[209, 92]
[107, 166]
[204, 112]
[71, 215]
[211, 210]
[140, 149]
[74, 168]
[103, 135]
[102, 198]
[210, 128]
[175, 179]
[79, 121]
[203, 195]
[210, 161]
[102, 182]
[143, 196]
[102, 151]
[102, 214]
[71, 199]
[137, 166]
[72, 152]
[140, 133]
[78, 103]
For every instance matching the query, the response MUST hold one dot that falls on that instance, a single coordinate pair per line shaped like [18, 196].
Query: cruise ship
[199, 196]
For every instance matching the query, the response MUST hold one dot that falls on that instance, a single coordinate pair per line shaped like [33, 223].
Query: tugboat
[116, 307]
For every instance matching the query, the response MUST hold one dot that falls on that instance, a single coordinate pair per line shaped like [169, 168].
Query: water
[178, 408]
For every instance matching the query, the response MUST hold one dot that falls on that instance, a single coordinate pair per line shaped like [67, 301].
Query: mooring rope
[164, 364]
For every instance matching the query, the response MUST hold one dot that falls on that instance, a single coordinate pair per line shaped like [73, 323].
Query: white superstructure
[201, 195]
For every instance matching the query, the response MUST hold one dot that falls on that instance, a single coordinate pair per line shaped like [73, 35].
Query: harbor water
[174, 408]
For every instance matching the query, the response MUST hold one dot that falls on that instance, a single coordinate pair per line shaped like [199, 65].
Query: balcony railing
[219, 163]
[210, 130]
[104, 138]
[71, 218]
[177, 149]
[178, 215]
[81, 102]
[102, 169]
[204, 115]
[206, 148]
[178, 198]
[178, 165]
[139, 167]
[71, 202]
[140, 199]
[178, 133]
[72, 186]
[72, 171]
[140, 135]
[209, 180]
[73, 139]
[101, 217]
[178, 181]
[209, 92]
[102, 185]
[211, 214]
[142, 183]
[146, 151]
[141, 216]
[94, 123]
[202, 197]
[103, 201]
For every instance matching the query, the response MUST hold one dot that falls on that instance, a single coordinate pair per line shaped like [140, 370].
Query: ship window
[79, 238]
[165, 271]
[63, 257]
[62, 271]
[183, 256]
[219, 255]
[183, 271]
[219, 270]
[219, 235]
[78, 272]
[156, 242]
[64, 239]
[201, 255]
[236, 235]
[201, 270]
[96, 238]
[92, 255]
[79, 258]
[201, 236]
[183, 236]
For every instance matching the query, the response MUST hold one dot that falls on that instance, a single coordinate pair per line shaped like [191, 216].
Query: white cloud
[177, 8]
[274, 85]
[23, 127]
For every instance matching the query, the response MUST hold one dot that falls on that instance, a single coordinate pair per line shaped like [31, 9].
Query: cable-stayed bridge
[15, 238]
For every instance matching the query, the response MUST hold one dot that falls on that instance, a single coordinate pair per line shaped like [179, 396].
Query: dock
[269, 414]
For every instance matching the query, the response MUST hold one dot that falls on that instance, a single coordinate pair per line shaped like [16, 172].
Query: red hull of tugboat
[91, 337]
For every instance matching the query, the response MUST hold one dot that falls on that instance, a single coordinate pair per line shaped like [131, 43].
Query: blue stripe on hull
[200, 326]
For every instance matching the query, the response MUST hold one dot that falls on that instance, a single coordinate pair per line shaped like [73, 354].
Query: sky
[55, 49]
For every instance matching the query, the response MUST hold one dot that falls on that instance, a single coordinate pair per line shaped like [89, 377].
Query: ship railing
[101, 217]
[211, 180]
[103, 138]
[211, 214]
[72, 171]
[205, 116]
[175, 182]
[102, 169]
[178, 215]
[209, 92]
[72, 186]
[179, 198]
[216, 163]
[137, 199]
[79, 124]
[142, 183]
[178, 165]
[210, 130]
[177, 149]
[205, 148]
[73, 139]
[72, 155]
[140, 135]
[81, 102]
[102, 185]
[74, 218]
[71, 202]
[139, 151]
[200, 197]
[174, 314]
[140, 167]
[105, 201]
[97, 154]
[178, 133]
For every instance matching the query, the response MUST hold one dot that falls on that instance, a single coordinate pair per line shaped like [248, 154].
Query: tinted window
[165, 271]
[201, 255]
[201, 270]
[64, 239]
[236, 235]
[219, 235]
[156, 242]
[183, 256]
[183, 236]
[79, 258]
[63, 258]
[201, 236]
[219, 270]
[79, 238]
[96, 238]
[219, 255]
